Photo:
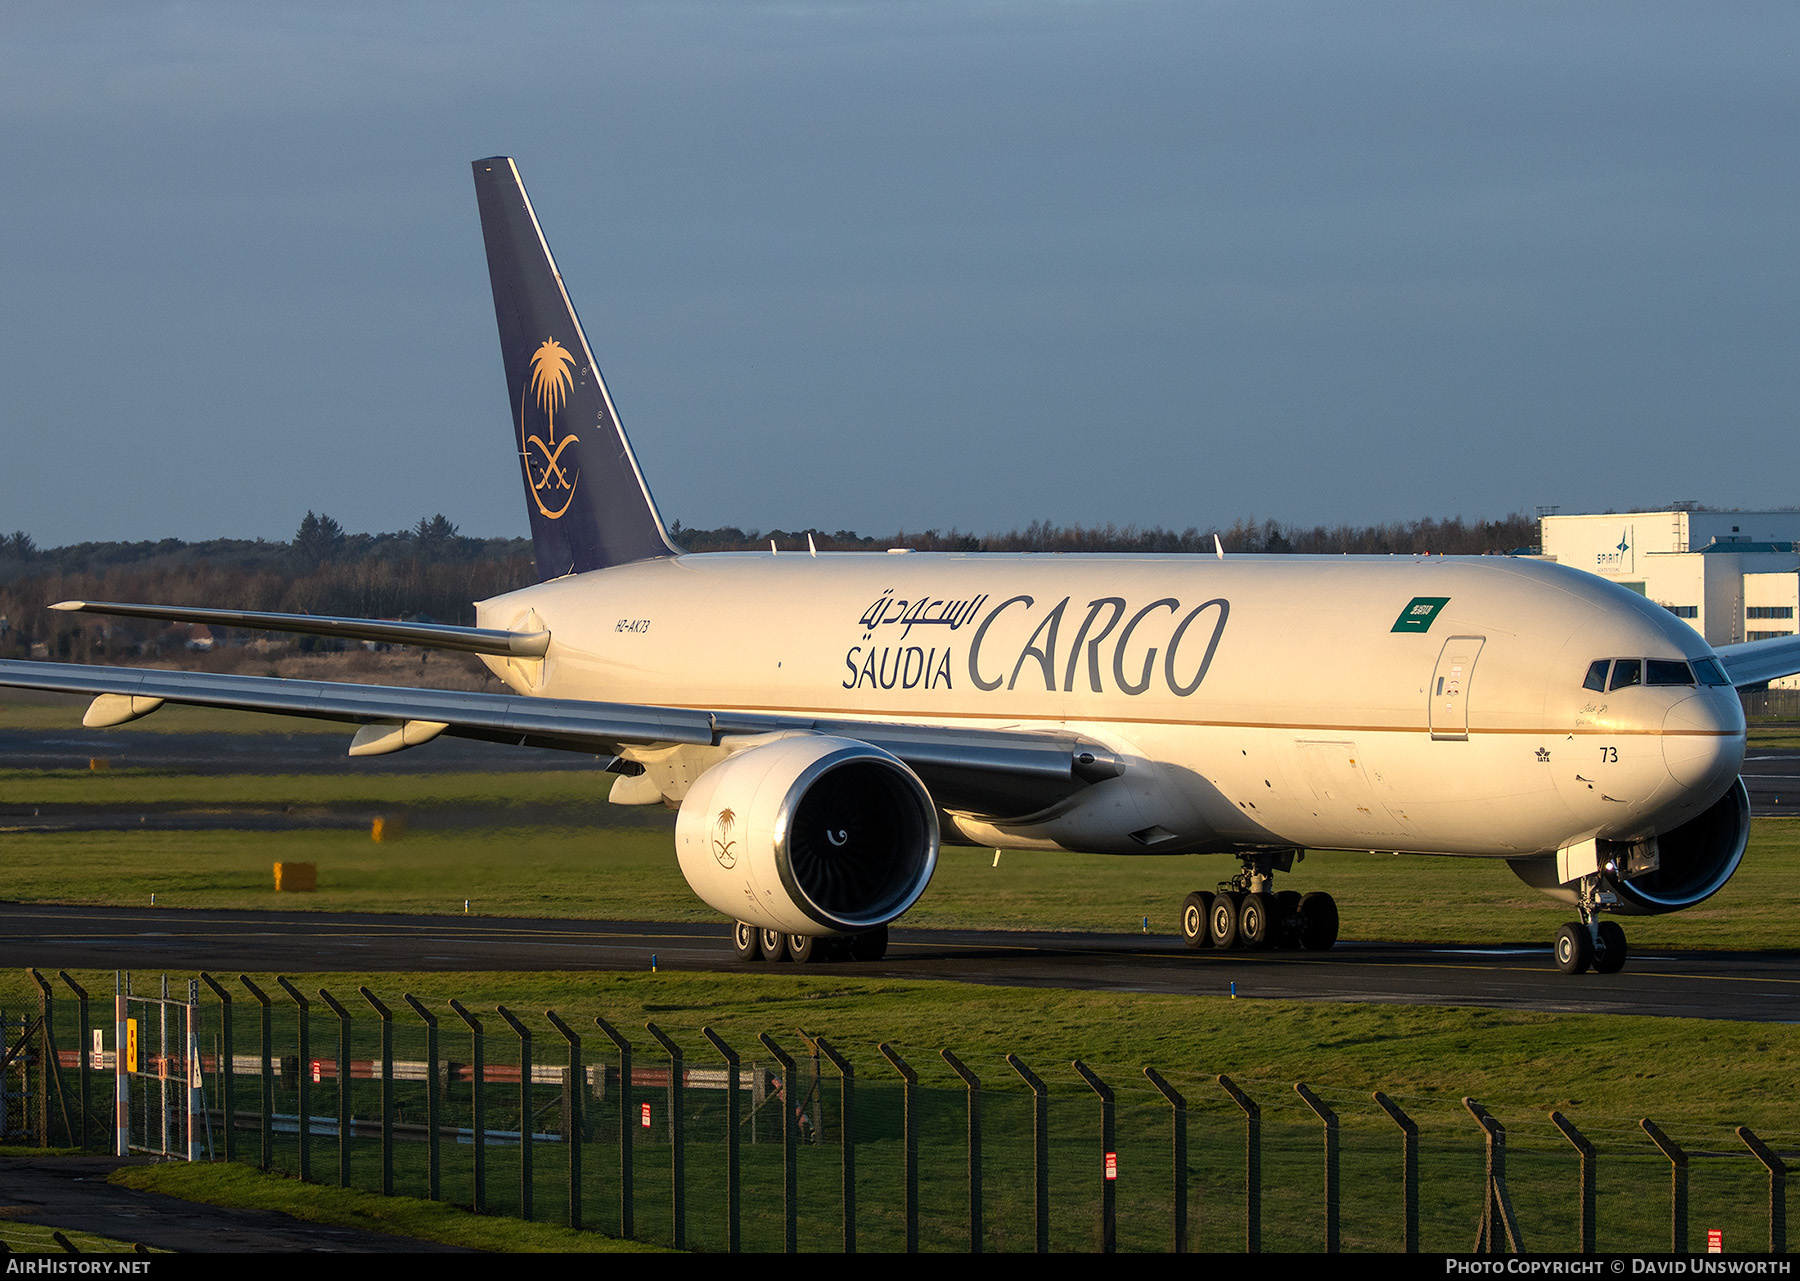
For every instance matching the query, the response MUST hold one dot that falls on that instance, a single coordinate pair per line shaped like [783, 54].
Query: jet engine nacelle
[1692, 862]
[809, 834]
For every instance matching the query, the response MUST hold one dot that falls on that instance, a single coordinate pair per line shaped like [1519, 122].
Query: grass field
[586, 864]
[1695, 1078]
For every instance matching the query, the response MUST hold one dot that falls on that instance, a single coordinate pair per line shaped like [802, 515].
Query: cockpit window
[1626, 672]
[1710, 672]
[1663, 671]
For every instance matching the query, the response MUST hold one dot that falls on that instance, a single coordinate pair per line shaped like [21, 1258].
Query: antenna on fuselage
[1218, 547]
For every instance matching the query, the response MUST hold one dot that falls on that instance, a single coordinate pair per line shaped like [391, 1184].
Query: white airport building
[1733, 576]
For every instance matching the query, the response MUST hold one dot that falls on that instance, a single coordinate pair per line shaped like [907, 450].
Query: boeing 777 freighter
[823, 722]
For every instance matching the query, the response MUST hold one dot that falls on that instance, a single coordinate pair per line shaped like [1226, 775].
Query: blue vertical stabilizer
[587, 500]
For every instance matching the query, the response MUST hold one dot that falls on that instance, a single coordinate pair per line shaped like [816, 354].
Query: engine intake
[1694, 860]
[1691, 862]
[809, 834]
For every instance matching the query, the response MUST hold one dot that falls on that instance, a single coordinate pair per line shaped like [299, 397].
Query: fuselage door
[1449, 703]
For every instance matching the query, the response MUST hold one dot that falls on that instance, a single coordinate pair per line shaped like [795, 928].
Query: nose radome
[1703, 739]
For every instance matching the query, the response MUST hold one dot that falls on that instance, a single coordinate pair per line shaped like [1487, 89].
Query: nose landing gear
[1246, 912]
[1590, 943]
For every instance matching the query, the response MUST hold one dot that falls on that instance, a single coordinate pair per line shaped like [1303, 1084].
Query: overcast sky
[907, 265]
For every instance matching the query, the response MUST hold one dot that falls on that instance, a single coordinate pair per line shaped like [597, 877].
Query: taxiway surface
[1754, 986]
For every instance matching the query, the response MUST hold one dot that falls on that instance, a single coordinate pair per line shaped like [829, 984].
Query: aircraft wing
[991, 772]
[1753, 662]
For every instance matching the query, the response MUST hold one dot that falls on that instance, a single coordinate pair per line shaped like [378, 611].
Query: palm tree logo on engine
[551, 383]
[724, 848]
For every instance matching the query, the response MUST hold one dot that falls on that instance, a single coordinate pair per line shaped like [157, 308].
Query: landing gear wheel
[772, 944]
[744, 942]
[870, 945]
[1195, 908]
[1222, 920]
[804, 949]
[1574, 948]
[1318, 921]
[1287, 918]
[1609, 957]
[1256, 921]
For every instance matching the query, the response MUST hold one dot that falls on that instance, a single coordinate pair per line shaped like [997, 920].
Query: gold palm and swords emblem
[551, 383]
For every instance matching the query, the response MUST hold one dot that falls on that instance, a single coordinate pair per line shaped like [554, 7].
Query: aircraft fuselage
[1413, 704]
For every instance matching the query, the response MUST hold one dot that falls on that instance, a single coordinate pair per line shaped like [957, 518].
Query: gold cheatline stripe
[902, 718]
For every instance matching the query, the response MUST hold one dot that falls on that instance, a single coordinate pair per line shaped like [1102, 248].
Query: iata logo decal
[552, 487]
[723, 847]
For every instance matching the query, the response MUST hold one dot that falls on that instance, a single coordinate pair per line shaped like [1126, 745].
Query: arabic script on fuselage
[1114, 645]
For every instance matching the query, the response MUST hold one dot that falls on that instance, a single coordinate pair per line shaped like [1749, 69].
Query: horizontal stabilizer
[469, 640]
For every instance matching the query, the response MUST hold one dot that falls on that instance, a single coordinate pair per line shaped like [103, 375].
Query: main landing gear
[1590, 943]
[752, 943]
[1246, 912]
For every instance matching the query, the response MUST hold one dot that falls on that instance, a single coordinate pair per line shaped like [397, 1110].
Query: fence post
[572, 1123]
[525, 1131]
[197, 1120]
[226, 1066]
[343, 1086]
[1109, 1159]
[732, 1106]
[1588, 1174]
[433, 1104]
[846, 1137]
[1330, 1118]
[1496, 1209]
[790, 1238]
[83, 1046]
[162, 1068]
[268, 1072]
[976, 1230]
[626, 1217]
[50, 1068]
[304, 1040]
[121, 1073]
[1777, 1188]
[1179, 1179]
[477, 1106]
[1409, 1169]
[1678, 1185]
[387, 1088]
[1040, 1149]
[1252, 1165]
[909, 1133]
[677, 1163]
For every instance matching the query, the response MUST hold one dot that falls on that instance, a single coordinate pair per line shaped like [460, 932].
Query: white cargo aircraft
[823, 722]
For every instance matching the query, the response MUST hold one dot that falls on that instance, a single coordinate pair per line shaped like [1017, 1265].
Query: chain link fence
[790, 1142]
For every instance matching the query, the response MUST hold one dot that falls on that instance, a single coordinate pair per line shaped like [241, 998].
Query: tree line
[434, 571]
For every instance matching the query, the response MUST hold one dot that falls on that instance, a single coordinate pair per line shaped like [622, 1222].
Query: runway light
[1146, 925]
[653, 962]
[465, 907]
[1234, 991]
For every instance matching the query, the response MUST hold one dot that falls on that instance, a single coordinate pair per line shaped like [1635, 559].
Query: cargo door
[1449, 703]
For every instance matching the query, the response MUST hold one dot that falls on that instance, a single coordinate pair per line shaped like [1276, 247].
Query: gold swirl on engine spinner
[551, 383]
